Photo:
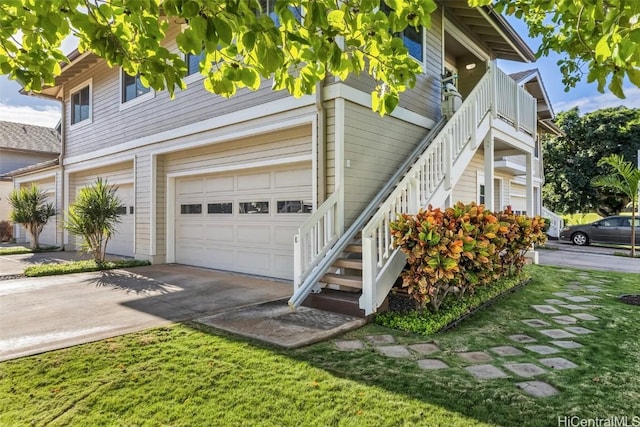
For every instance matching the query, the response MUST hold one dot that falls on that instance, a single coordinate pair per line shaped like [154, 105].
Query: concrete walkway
[43, 314]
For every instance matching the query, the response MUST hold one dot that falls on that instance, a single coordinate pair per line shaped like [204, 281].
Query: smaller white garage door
[518, 199]
[121, 242]
[244, 221]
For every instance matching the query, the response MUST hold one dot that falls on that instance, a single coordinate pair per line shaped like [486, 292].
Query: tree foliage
[599, 38]
[93, 217]
[30, 209]
[624, 178]
[571, 161]
[296, 45]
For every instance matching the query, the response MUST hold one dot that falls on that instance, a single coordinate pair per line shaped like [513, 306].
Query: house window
[481, 198]
[132, 87]
[536, 153]
[193, 63]
[253, 207]
[191, 209]
[81, 105]
[413, 37]
[220, 208]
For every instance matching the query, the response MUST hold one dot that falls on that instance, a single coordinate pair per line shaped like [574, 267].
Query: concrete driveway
[587, 257]
[43, 314]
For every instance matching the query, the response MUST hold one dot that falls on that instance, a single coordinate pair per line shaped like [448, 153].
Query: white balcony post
[494, 92]
[413, 196]
[448, 161]
[369, 255]
[297, 262]
[529, 189]
[489, 165]
[516, 119]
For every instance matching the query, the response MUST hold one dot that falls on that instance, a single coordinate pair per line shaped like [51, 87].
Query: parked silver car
[613, 229]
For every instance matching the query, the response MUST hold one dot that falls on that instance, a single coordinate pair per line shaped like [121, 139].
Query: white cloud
[46, 116]
[601, 100]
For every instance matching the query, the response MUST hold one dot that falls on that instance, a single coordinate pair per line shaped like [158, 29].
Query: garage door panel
[260, 181]
[121, 242]
[284, 235]
[219, 233]
[251, 237]
[292, 178]
[254, 234]
[218, 185]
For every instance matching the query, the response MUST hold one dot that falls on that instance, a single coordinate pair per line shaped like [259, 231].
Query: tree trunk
[33, 237]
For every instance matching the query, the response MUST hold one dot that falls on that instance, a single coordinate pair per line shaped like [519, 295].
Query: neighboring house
[267, 184]
[22, 146]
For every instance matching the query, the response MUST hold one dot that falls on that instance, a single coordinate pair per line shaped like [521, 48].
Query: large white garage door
[121, 243]
[244, 221]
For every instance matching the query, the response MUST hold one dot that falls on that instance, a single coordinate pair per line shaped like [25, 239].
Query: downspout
[321, 136]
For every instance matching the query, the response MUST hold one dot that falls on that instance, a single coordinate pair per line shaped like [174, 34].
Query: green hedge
[426, 322]
[79, 267]
[19, 250]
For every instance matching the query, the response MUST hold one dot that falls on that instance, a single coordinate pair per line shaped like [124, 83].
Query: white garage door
[244, 221]
[121, 242]
[518, 199]
[48, 234]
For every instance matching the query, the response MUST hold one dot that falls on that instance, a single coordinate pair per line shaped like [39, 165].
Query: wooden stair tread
[353, 263]
[354, 247]
[343, 280]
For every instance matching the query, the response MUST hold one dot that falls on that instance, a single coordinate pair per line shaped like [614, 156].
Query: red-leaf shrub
[452, 251]
[6, 231]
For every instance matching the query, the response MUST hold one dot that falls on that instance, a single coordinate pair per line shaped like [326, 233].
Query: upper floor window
[413, 37]
[81, 103]
[132, 87]
[193, 63]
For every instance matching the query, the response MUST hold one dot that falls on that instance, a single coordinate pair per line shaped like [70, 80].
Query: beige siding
[374, 147]
[112, 127]
[466, 188]
[291, 142]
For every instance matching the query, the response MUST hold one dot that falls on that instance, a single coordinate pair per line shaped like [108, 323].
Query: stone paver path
[532, 342]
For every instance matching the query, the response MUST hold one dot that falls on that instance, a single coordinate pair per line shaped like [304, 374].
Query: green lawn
[188, 375]
[82, 266]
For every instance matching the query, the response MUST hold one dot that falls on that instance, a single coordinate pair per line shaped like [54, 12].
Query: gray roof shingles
[21, 136]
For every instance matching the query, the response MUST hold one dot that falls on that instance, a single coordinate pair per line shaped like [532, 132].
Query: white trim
[256, 112]
[171, 190]
[341, 90]
[242, 166]
[465, 40]
[77, 88]
[134, 189]
[37, 177]
[135, 101]
[339, 161]
[314, 163]
[153, 208]
[99, 163]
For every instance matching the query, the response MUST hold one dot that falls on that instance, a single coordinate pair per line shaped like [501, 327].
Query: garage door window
[253, 207]
[294, 206]
[220, 208]
[122, 210]
[191, 209]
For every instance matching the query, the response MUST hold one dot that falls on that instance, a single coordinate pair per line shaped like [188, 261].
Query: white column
[489, 171]
[529, 189]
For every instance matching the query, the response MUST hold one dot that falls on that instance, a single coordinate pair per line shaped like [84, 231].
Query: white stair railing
[434, 174]
[557, 222]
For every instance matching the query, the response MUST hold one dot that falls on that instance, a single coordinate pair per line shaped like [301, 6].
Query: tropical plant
[31, 210]
[94, 216]
[624, 178]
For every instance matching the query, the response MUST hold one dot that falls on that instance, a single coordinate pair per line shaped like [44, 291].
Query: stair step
[336, 301]
[355, 248]
[343, 280]
[353, 263]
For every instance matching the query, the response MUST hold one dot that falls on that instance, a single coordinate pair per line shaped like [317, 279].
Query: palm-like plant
[31, 210]
[625, 178]
[94, 216]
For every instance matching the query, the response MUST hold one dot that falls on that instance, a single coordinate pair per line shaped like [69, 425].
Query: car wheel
[580, 239]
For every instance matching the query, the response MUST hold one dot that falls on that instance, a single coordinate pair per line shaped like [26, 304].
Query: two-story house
[267, 184]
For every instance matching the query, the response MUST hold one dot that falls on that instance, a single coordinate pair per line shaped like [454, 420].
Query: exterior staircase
[352, 271]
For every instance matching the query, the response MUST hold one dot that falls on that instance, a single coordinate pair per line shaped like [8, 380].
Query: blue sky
[26, 109]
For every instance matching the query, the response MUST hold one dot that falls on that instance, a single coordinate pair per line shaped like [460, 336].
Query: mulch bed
[630, 299]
